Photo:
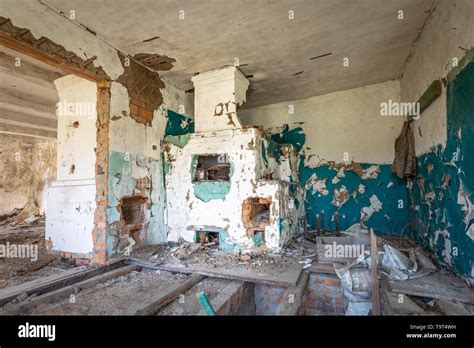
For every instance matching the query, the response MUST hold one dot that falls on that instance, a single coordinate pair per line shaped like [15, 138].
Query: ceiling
[28, 95]
[279, 54]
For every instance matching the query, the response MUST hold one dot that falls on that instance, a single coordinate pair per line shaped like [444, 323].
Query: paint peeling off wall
[135, 159]
[196, 205]
[134, 178]
[441, 211]
[378, 202]
[178, 124]
[443, 42]
[368, 194]
[27, 165]
[336, 125]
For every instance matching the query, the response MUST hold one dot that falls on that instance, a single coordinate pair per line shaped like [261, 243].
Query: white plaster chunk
[375, 206]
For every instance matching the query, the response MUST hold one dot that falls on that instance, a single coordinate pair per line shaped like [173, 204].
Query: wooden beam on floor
[167, 296]
[57, 295]
[455, 308]
[292, 297]
[56, 281]
[273, 277]
[436, 285]
[327, 268]
[375, 275]
[398, 304]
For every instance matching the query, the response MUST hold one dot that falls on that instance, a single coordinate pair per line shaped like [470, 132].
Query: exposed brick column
[99, 234]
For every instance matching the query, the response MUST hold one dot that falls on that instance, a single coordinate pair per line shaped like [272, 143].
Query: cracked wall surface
[440, 214]
[27, 165]
[132, 109]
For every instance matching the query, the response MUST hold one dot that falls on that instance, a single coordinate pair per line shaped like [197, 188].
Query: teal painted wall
[433, 199]
[391, 191]
[178, 124]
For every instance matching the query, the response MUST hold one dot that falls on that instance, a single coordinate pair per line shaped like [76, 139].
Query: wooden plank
[292, 297]
[454, 308]
[436, 285]
[169, 295]
[55, 281]
[57, 62]
[33, 267]
[375, 275]
[393, 304]
[61, 293]
[221, 300]
[275, 277]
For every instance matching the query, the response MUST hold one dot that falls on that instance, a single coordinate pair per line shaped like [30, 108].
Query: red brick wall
[99, 234]
[323, 296]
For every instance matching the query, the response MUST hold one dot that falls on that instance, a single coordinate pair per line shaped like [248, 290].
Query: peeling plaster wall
[45, 22]
[136, 153]
[448, 34]
[345, 147]
[336, 123]
[128, 139]
[218, 94]
[191, 206]
[441, 212]
[27, 165]
[71, 199]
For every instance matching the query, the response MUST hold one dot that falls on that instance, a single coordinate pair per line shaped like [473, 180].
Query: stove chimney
[217, 93]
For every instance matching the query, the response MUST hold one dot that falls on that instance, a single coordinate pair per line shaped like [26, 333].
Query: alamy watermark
[335, 251]
[393, 108]
[24, 251]
[78, 109]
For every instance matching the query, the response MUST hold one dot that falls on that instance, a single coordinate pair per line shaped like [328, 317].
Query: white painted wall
[335, 123]
[446, 35]
[186, 211]
[70, 200]
[76, 146]
[126, 135]
[216, 96]
[70, 216]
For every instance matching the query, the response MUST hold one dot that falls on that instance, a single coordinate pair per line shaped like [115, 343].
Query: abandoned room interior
[237, 158]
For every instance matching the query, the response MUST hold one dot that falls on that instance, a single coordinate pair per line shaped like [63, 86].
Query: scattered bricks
[82, 262]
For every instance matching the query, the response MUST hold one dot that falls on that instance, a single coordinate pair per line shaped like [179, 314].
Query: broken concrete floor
[143, 284]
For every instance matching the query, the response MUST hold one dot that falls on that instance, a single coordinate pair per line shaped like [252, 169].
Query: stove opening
[255, 216]
[212, 168]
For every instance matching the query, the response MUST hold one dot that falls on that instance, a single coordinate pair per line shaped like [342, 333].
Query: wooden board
[61, 293]
[326, 268]
[393, 304]
[455, 308]
[292, 298]
[56, 281]
[374, 274]
[165, 297]
[436, 285]
[268, 275]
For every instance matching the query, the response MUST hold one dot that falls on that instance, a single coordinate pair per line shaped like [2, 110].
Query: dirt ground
[16, 270]
[118, 296]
